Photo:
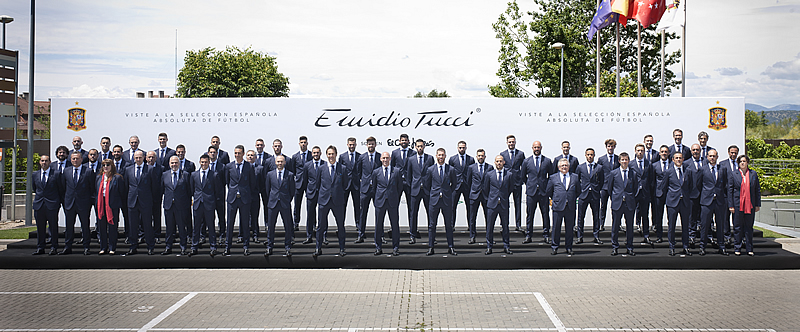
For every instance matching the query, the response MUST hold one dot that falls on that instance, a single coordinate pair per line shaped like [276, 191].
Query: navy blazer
[48, 194]
[607, 166]
[619, 192]
[223, 157]
[399, 162]
[244, 182]
[563, 198]
[514, 165]
[122, 165]
[387, 192]
[693, 167]
[415, 173]
[280, 191]
[735, 188]
[168, 153]
[219, 178]
[653, 154]
[96, 167]
[573, 163]
[204, 193]
[440, 187]
[180, 193]
[353, 179]
[364, 170]
[659, 181]
[297, 160]
[677, 188]
[496, 192]
[84, 155]
[711, 187]
[687, 153]
[331, 188]
[126, 156]
[727, 164]
[264, 157]
[535, 179]
[142, 189]
[705, 155]
[157, 188]
[116, 192]
[591, 184]
[646, 177]
[288, 165]
[78, 195]
[475, 180]
[461, 171]
[188, 165]
[309, 173]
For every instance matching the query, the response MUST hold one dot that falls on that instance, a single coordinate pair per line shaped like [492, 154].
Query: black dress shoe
[395, 252]
[553, 251]
[452, 251]
[296, 228]
[342, 253]
[430, 252]
[597, 241]
[488, 251]
[80, 240]
[38, 252]
[325, 241]
[383, 240]
[630, 253]
[613, 252]
[750, 253]
[158, 241]
[53, 251]
[702, 252]
[131, 252]
[378, 252]
[255, 240]
[167, 252]
[317, 252]
[184, 252]
[580, 240]
[192, 252]
[508, 251]
[112, 253]
[213, 252]
[151, 252]
[247, 252]
[687, 252]
[660, 240]
[569, 252]
[239, 240]
[308, 240]
[127, 240]
[288, 253]
[359, 240]
[527, 240]
[64, 252]
[547, 240]
[516, 229]
[227, 252]
[86, 252]
[412, 240]
[268, 252]
[672, 252]
[723, 252]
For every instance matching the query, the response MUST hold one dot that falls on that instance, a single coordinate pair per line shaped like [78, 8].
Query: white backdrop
[442, 122]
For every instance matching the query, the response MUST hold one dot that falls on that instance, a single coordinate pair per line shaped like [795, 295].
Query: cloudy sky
[368, 48]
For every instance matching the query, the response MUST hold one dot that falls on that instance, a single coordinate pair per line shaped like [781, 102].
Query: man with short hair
[695, 164]
[255, 204]
[388, 186]
[460, 163]
[48, 189]
[331, 179]
[186, 164]
[120, 165]
[679, 184]
[563, 187]
[310, 177]
[128, 155]
[440, 181]
[535, 173]
[105, 149]
[177, 191]
[660, 168]
[609, 161]
[221, 155]
[592, 177]
[261, 155]
[400, 158]
[79, 184]
[477, 194]
[623, 186]
[139, 181]
[93, 163]
[644, 171]
[731, 166]
[702, 139]
[498, 184]
[573, 162]
[163, 152]
[713, 200]
[299, 160]
[650, 154]
[416, 171]
[204, 186]
[77, 142]
[513, 160]
[217, 170]
[116, 158]
[352, 187]
[240, 178]
[280, 184]
[368, 162]
[152, 161]
[62, 153]
[677, 135]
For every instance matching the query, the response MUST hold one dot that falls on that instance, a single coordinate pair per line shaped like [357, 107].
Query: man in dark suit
[609, 161]
[564, 188]
[368, 162]
[77, 142]
[679, 183]
[105, 149]
[513, 161]
[623, 188]
[695, 164]
[261, 155]
[731, 166]
[116, 157]
[280, 184]
[120, 165]
[62, 162]
[217, 170]
[204, 186]
[573, 162]
[440, 181]
[660, 168]
[416, 170]
[702, 139]
[331, 180]
[79, 183]
[497, 186]
[255, 204]
[310, 177]
[186, 164]
[221, 155]
[157, 169]
[93, 163]
[477, 195]
[460, 162]
[388, 184]
[644, 170]
[352, 187]
[400, 157]
[677, 135]
[163, 152]
[299, 160]
[650, 154]
[713, 202]
[129, 154]
[177, 190]
[535, 172]
[48, 187]
[591, 177]
[139, 180]
[240, 178]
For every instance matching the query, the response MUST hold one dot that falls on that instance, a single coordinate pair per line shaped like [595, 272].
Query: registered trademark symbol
[478, 110]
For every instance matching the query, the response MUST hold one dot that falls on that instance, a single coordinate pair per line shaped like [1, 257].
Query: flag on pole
[624, 9]
[602, 18]
[648, 12]
[674, 16]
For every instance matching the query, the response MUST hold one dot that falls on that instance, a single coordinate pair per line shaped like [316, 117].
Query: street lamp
[560, 46]
[5, 19]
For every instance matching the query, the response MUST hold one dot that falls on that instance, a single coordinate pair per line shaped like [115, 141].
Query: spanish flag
[623, 8]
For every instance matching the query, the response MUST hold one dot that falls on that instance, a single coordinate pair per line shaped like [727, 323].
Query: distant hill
[776, 113]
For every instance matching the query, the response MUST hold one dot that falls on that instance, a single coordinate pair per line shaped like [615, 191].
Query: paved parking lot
[354, 300]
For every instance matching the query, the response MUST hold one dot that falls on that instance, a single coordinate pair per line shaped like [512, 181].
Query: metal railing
[779, 212]
[774, 166]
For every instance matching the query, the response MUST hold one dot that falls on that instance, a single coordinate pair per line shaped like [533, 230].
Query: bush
[758, 149]
[786, 182]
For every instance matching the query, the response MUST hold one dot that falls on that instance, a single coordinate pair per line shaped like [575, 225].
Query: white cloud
[729, 71]
[785, 70]
[85, 91]
[322, 77]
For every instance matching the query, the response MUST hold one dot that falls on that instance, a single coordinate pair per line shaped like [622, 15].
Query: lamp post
[560, 46]
[5, 19]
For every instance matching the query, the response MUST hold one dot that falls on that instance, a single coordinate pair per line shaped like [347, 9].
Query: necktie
[500, 177]
[698, 164]
[591, 166]
[512, 155]
[280, 177]
[714, 171]
[304, 157]
[138, 171]
[239, 168]
[44, 177]
[75, 175]
[214, 166]
[352, 157]
[60, 166]
[420, 163]
[386, 173]
[441, 172]
[117, 166]
[611, 159]
[372, 159]
[203, 178]
[174, 178]
[92, 166]
[703, 155]
[404, 153]
[680, 174]
[624, 176]
[462, 160]
[332, 170]
[162, 153]
[260, 155]
[537, 161]
[481, 170]
[316, 164]
[640, 165]
[663, 166]
[564, 181]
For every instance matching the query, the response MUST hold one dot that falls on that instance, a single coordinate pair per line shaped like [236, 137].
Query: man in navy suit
[120, 165]
[280, 184]
[477, 195]
[217, 169]
[702, 139]
[713, 202]
[129, 154]
[564, 188]
[186, 164]
[299, 160]
[47, 185]
[152, 161]
[460, 162]
[310, 175]
[609, 161]
[650, 154]
[204, 186]
[331, 180]
[116, 157]
[93, 163]
[79, 183]
[679, 184]
[695, 164]
[62, 153]
[416, 170]
[352, 187]
[400, 157]
[163, 152]
[388, 184]
[644, 170]
[222, 156]
[535, 172]
[240, 178]
[497, 186]
[573, 162]
[623, 187]
[659, 200]
[139, 180]
[261, 155]
[677, 135]
[513, 161]
[731, 166]
[255, 204]
[440, 181]
[105, 149]
[177, 198]
[368, 162]
[591, 177]
[77, 142]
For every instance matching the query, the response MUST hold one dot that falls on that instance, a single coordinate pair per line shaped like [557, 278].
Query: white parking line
[550, 313]
[167, 312]
[282, 292]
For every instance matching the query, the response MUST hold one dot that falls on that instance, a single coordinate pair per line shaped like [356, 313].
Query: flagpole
[639, 59]
[617, 59]
[597, 61]
[663, 41]
[683, 54]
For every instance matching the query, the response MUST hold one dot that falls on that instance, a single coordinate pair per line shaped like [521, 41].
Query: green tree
[230, 73]
[752, 119]
[530, 67]
[432, 94]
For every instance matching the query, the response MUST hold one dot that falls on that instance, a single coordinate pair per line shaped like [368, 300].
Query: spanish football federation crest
[77, 119]
[716, 118]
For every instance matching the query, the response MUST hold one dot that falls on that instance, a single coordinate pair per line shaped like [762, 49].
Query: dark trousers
[394, 221]
[672, 219]
[717, 210]
[140, 217]
[311, 217]
[583, 205]
[413, 212]
[694, 228]
[729, 231]
[743, 227]
[517, 194]
[45, 218]
[298, 203]
[643, 214]
[243, 209]
[126, 220]
[657, 208]
[474, 204]
[322, 223]
[456, 198]
[603, 207]
[288, 226]
[176, 217]
[616, 222]
[69, 232]
[433, 220]
[361, 226]
[156, 219]
[204, 218]
[355, 195]
[490, 220]
[221, 221]
[108, 233]
[255, 209]
[543, 202]
[568, 218]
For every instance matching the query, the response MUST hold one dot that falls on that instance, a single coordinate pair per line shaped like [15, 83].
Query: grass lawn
[769, 233]
[782, 197]
[16, 233]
